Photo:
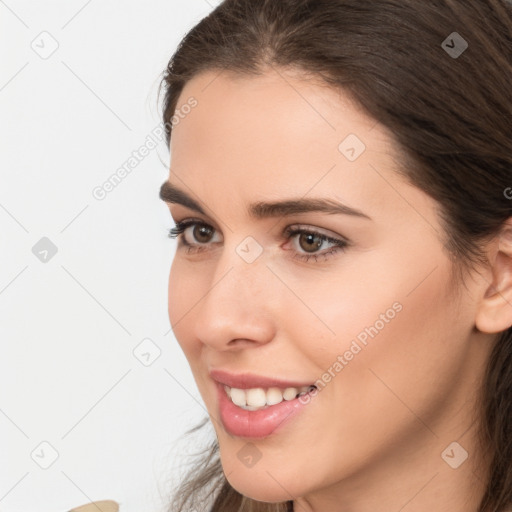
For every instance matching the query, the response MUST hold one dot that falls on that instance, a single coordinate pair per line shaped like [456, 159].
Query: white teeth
[256, 397]
[290, 393]
[259, 398]
[274, 396]
[238, 397]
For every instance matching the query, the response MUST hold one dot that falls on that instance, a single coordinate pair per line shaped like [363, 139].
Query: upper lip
[251, 380]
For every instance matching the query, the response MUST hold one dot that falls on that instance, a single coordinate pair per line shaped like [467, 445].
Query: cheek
[343, 312]
[398, 380]
[175, 291]
[183, 294]
[405, 359]
[399, 343]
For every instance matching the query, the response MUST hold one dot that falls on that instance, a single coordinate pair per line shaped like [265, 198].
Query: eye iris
[201, 230]
[310, 238]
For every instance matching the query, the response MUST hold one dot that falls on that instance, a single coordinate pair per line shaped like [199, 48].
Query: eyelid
[316, 230]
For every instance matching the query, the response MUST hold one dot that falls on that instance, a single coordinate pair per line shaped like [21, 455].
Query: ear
[494, 313]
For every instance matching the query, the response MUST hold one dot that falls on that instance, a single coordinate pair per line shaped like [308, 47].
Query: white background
[69, 326]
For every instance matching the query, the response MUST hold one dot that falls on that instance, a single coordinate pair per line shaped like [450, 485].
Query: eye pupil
[310, 238]
[201, 230]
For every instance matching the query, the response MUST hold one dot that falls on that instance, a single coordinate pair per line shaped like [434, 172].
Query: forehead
[280, 134]
[280, 108]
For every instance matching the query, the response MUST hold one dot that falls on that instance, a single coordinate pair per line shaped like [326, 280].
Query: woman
[341, 183]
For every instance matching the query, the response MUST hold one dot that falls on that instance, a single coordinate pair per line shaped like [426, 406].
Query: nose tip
[224, 328]
[236, 312]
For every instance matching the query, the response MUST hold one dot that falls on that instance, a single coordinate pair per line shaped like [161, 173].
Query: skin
[372, 438]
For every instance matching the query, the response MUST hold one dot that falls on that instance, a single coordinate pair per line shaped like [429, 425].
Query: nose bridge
[238, 302]
[241, 274]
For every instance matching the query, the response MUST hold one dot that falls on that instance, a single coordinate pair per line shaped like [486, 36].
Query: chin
[264, 489]
[260, 483]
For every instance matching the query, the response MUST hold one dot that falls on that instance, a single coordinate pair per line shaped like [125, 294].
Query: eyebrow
[169, 193]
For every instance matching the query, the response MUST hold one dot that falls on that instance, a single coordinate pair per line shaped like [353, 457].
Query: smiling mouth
[255, 399]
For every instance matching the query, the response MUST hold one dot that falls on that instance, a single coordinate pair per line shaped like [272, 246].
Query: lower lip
[256, 424]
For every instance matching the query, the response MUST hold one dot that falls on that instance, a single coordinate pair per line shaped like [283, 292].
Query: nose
[239, 310]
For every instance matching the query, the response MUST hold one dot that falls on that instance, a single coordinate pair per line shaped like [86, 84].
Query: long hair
[438, 75]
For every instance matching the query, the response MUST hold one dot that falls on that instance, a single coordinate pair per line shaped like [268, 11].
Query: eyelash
[289, 232]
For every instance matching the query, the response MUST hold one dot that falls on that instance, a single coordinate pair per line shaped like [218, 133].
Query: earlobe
[494, 313]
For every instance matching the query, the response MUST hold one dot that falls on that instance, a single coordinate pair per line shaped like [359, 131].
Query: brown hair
[450, 114]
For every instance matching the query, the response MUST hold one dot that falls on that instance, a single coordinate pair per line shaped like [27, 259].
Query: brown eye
[202, 233]
[310, 241]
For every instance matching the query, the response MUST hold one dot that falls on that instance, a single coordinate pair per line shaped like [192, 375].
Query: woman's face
[374, 324]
